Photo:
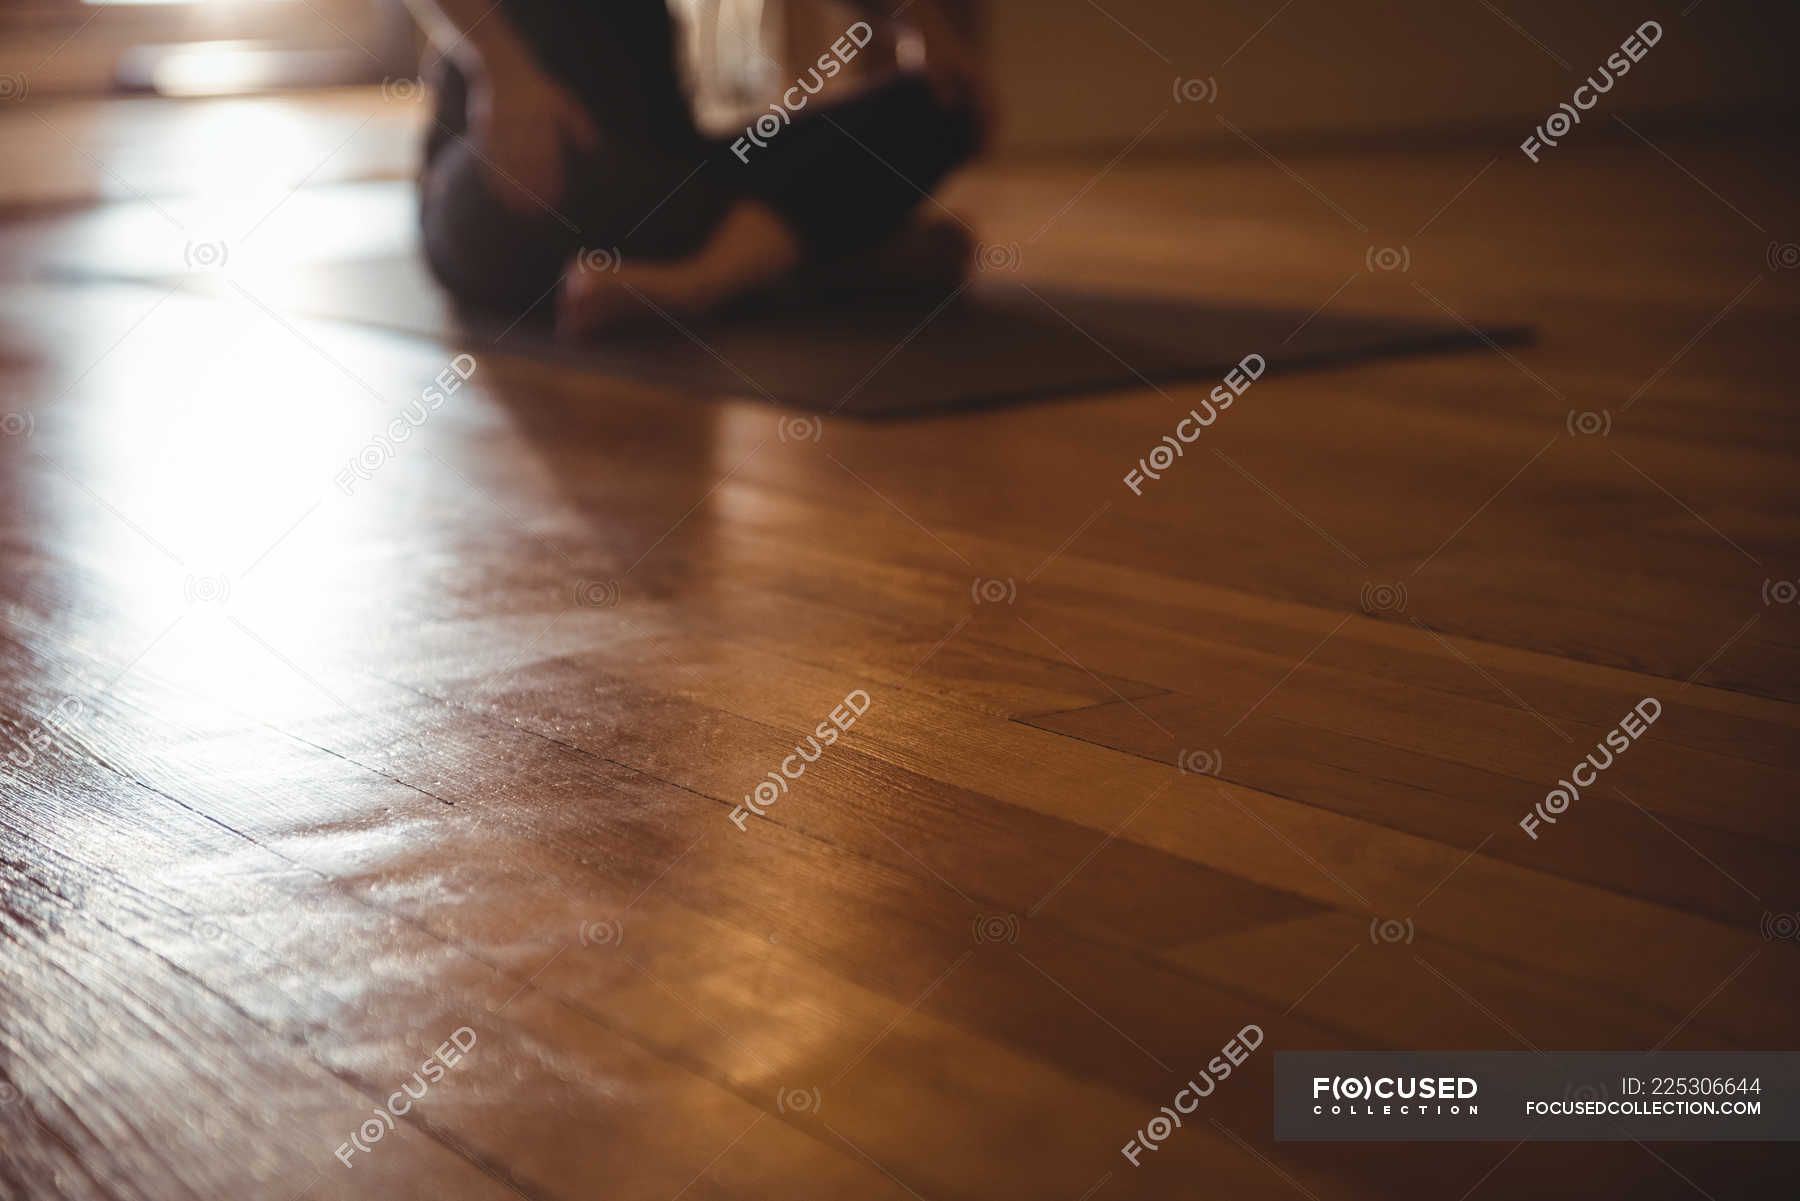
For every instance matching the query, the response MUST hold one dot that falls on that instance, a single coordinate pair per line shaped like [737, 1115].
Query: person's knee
[483, 252]
[909, 108]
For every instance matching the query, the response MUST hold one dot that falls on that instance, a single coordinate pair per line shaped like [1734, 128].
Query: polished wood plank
[460, 746]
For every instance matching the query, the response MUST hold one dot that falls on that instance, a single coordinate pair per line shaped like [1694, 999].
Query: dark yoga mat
[1000, 340]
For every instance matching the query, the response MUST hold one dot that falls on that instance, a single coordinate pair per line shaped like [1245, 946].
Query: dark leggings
[842, 176]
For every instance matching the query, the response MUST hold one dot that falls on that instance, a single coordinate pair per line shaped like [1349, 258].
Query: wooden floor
[306, 782]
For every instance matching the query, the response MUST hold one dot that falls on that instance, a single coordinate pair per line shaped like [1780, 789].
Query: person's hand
[955, 63]
[522, 122]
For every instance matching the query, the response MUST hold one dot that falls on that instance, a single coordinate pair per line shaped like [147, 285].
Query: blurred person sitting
[564, 156]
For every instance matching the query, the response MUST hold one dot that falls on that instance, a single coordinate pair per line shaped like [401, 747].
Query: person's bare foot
[597, 297]
[750, 249]
[751, 254]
